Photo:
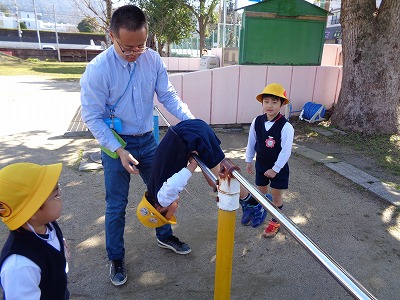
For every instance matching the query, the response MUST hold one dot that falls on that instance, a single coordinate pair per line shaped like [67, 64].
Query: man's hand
[168, 211]
[128, 161]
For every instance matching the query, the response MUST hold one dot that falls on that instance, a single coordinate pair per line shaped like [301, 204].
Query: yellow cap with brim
[24, 187]
[274, 89]
[149, 216]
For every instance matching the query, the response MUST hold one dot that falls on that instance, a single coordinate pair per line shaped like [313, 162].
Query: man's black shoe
[174, 244]
[117, 272]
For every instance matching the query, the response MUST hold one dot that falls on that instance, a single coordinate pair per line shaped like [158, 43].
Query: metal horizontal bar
[348, 282]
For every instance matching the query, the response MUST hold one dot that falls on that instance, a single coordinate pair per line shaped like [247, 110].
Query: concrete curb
[357, 176]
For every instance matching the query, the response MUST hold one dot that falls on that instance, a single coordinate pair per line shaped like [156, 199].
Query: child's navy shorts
[279, 182]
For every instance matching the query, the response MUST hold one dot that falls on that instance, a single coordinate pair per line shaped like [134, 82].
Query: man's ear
[111, 35]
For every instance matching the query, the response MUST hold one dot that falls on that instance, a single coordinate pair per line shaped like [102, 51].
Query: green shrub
[32, 59]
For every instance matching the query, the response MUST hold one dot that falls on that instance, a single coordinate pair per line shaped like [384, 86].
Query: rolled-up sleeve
[168, 96]
[170, 190]
[94, 95]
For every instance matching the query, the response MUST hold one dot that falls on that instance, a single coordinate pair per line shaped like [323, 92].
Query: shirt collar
[122, 61]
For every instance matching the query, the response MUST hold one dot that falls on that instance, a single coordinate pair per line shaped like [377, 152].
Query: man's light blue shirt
[104, 82]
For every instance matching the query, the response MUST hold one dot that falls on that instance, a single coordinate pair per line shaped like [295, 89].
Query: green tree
[88, 24]
[369, 100]
[22, 25]
[205, 13]
[169, 22]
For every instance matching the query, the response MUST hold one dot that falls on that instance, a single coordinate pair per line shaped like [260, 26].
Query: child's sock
[250, 200]
[275, 220]
[245, 198]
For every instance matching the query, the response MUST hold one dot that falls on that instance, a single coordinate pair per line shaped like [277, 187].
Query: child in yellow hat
[270, 140]
[33, 259]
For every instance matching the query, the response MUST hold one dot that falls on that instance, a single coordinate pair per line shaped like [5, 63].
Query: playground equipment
[228, 185]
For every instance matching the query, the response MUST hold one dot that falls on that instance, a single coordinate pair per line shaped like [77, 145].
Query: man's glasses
[129, 52]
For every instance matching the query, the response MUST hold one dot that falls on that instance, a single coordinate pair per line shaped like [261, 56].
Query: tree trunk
[369, 100]
[202, 33]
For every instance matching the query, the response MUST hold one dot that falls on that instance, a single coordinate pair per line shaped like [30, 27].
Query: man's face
[130, 44]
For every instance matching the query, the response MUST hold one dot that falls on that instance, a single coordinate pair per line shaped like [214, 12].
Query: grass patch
[383, 149]
[11, 66]
[77, 162]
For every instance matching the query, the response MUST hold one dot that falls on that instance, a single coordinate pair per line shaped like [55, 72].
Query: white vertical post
[223, 35]
[18, 24]
[37, 26]
[55, 28]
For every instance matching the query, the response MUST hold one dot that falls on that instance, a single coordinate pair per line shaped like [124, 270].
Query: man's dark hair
[129, 17]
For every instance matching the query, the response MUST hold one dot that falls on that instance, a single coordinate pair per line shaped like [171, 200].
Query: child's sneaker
[246, 213]
[271, 230]
[258, 215]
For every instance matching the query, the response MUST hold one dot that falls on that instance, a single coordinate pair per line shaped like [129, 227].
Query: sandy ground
[353, 226]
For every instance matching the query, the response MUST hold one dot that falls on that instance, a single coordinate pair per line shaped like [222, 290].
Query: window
[335, 19]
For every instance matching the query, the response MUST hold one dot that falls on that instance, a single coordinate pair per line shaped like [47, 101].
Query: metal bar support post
[228, 195]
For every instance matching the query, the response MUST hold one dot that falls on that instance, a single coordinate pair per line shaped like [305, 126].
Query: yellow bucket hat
[149, 216]
[24, 187]
[274, 89]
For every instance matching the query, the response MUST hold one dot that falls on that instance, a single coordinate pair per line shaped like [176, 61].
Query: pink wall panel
[194, 63]
[224, 95]
[330, 54]
[173, 63]
[183, 64]
[166, 62]
[302, 88]
[197, 93]
[325, 86]
[283, 76]
[176, 81]
[252, 80]
[339, 84]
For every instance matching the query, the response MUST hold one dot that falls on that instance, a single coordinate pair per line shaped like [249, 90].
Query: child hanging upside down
[171, 172]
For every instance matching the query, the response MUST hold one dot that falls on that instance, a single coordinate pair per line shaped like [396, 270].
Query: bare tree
[102, 10]
[369, 100]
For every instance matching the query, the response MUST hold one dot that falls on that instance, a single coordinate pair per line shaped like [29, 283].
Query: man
[119, 85]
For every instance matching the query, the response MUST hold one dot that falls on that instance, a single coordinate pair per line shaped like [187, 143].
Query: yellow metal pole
[228, 203]
[225, 241]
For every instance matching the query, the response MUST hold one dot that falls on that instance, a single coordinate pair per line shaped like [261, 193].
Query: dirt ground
[353, 226]
[358, 230]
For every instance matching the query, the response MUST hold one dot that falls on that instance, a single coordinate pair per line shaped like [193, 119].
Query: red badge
[270, 142]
